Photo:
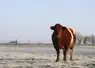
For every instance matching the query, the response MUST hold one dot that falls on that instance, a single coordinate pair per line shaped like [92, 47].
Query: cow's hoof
[72, 59]
[64, 59]
[57, 60]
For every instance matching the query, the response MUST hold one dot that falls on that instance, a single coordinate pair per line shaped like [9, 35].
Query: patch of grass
[85, 44]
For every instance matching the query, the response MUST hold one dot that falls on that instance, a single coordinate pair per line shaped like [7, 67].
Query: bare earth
[42, 57]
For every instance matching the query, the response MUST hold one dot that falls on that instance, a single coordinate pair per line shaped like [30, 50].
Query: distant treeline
[81, 39]
[44, 44]
[25, 44]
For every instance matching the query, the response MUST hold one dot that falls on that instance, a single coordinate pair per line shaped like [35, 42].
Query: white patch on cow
[73, 31]
[71, 36]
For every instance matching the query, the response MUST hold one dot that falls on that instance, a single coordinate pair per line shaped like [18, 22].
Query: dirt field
[44, 57]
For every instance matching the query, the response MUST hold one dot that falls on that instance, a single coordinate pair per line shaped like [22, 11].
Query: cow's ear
[52, 27]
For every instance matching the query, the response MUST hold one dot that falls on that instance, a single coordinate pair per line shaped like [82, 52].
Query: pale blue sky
[30, 19]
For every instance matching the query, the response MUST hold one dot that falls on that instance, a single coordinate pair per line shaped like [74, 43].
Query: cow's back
[74, 35]
[66, 38]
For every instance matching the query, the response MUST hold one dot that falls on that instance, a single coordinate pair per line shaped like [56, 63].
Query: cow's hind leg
[65, 54]
[71, 53]
[58, 52]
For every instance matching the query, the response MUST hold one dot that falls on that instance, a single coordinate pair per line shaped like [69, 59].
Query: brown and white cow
[63, 38]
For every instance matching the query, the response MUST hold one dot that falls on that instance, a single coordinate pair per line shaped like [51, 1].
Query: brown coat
[63, 38]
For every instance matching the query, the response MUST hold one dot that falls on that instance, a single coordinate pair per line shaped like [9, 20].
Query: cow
[63, 38]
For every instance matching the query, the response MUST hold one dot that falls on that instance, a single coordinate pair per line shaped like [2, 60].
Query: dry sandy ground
[43, 60]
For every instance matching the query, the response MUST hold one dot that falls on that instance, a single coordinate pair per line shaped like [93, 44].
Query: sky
[25, 20]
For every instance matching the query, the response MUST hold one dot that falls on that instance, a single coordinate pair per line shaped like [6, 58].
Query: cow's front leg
[58, 52]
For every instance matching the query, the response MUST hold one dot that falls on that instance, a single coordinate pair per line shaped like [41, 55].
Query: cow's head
[57, 30]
